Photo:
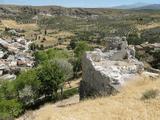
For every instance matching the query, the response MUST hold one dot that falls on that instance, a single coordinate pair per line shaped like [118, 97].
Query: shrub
[150, 94]
[42, 56]
[134, 39]
[27, 86]
[10, 109]
[7, 90]
[81, 48]
[72, 44]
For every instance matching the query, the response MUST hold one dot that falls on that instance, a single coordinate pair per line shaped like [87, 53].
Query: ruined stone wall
[104, 73]
[94, 82]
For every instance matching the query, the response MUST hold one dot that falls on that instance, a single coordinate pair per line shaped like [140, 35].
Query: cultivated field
[13, 24]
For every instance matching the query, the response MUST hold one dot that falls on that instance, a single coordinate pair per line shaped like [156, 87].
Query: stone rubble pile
[106, 72]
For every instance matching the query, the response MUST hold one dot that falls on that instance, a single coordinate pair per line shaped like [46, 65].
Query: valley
[61, 63]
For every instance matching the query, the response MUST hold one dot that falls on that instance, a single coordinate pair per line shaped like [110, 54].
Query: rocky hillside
[53, 10]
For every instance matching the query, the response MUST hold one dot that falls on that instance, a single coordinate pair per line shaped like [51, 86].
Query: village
[15, 56]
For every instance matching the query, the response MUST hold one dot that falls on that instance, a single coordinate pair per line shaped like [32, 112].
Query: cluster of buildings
[14, 57]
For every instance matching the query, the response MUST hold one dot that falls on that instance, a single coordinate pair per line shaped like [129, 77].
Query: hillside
[127, 105]
[53, 10]
[28, 12]
[43, 46]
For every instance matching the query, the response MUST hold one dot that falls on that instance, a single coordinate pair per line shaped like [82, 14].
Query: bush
[10, 109]
[6, 116]
[42, 56]
[7, 90]
[150, 94]
[134, 39]
[27, 86]
[151, 35]
[81, 48]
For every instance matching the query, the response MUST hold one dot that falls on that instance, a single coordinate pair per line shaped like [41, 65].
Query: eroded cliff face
[104, 73]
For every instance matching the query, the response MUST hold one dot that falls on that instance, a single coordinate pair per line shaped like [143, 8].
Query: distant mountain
[131, 6]
[151, 7]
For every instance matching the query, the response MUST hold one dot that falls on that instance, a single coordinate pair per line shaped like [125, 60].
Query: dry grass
[127, 105]
[149, 26]
[14, 24]
[52, 38]
[1, 26]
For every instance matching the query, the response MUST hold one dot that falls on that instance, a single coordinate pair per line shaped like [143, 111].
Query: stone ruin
[105, 71]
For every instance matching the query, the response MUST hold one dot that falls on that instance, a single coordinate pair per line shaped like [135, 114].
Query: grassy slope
[127, 105]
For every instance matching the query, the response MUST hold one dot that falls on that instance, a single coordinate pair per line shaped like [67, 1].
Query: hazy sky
[78, 3]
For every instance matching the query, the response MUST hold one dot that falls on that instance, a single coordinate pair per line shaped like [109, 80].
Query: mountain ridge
[131, 6]
[151, 7]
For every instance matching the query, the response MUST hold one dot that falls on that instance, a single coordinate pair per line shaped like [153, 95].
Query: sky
[78, 3]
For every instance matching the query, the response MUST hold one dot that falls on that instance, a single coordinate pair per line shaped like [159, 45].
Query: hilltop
[123, 106]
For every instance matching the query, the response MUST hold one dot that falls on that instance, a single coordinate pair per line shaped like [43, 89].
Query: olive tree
[27, 86]
[52, 75]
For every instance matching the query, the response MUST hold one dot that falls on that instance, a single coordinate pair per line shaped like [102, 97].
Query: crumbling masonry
[105, 72]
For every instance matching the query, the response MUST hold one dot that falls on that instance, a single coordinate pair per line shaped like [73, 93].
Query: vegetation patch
[150, 94]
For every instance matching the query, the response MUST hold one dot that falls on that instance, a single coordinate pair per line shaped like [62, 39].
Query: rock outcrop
[104, 73]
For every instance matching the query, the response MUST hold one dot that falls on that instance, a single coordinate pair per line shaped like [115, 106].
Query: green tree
[27, 86]
[72, 44]
[54, 53]
[40, 56]
[67, 68]
[81, 48]
[51, 76]
[45, 32]
[76, 62]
